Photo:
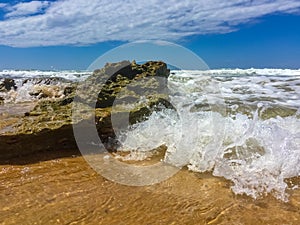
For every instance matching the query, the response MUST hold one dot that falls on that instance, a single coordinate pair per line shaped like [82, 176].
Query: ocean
[238, 125]
[242, 125]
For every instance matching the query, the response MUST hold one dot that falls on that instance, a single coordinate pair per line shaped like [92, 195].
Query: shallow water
[254, 143]
[67, 191]
[243, 128]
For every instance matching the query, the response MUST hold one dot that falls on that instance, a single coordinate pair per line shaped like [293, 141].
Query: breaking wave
[243, 128]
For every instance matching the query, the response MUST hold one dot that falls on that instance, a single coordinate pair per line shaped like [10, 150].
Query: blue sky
[71, 34]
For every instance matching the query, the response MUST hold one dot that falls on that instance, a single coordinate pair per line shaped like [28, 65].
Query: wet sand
[59, 187]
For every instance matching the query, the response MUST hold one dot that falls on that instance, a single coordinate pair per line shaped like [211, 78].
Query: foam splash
[33, 89]
[30, 85]
[257, 154]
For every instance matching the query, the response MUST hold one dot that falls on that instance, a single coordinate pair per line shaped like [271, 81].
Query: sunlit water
[68, 191]
[235, 134]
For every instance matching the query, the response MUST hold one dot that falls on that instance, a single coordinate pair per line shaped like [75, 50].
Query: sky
[71, 34]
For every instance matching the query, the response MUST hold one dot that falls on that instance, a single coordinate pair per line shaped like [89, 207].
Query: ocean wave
[244, 72]
[242, 128]
[256, 155]
[66, 74]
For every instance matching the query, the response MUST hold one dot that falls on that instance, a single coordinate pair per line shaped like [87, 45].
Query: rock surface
[126, 91]
[7, 84]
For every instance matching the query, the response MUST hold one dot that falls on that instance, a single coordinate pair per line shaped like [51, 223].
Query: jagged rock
[117, 90]
[45, 81]
[7, 84]
[102, 88]
[52, 87]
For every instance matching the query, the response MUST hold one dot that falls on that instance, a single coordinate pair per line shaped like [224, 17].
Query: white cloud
[2, 5]
[26, 8]
[80, 22]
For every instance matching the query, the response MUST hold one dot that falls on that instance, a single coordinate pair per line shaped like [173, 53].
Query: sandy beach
[50, 188]
[46, 179]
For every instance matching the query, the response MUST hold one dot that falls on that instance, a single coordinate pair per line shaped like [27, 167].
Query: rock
[119, 90]
[7, 84]
[105, 84]
[45, 81]
[53, 87]
[32, 89]
[46, 91]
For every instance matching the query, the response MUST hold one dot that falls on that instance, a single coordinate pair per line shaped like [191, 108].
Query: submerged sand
[59, 187]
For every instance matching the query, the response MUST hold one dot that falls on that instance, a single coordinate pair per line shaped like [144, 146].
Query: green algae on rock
[49, 124]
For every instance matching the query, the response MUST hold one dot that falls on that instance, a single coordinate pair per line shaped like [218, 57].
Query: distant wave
[245, 72]
[66, 74]
[80, 75]
[243, 84]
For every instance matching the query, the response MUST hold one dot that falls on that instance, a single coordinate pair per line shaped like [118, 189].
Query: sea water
[242, 125]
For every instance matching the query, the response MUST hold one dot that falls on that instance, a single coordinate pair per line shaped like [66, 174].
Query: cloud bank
[26, 8]
[84, 22]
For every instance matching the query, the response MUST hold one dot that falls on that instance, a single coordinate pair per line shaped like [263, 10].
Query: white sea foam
[32, 84]
[67, 74]
[257, 154]
[264, 85]
[25, 90]
[246, 72]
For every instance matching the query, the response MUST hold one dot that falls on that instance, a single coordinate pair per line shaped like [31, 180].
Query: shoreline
[67, 190]
[44, 172]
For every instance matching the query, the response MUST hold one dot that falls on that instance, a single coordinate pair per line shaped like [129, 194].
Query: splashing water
[251, 142]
